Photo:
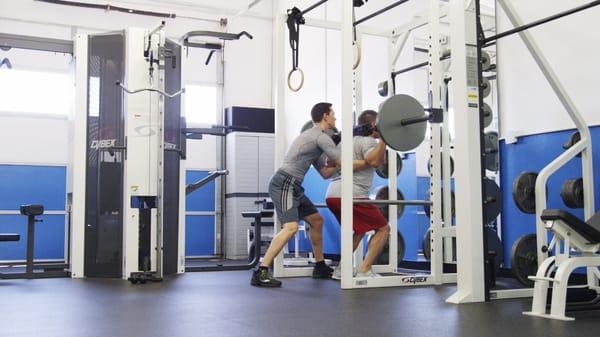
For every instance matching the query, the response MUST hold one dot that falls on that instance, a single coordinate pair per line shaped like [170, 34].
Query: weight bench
[569, 232]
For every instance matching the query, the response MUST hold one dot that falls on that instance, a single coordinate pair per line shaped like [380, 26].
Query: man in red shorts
[367, 217]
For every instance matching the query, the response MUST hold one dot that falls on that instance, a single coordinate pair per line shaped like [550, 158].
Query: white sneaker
[369, 273]
[337, 273]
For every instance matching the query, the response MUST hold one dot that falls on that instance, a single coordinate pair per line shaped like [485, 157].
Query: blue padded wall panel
[532, 153]
[202, 199]
[49, 237]
[199, 235]
[27, 184]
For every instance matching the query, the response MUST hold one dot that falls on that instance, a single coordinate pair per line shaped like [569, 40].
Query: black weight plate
[382, 170]
[492, 204]
[382, 193]
[389, 123]
[427, 209]
[384, 256]
[523, 191]
[491, 151]
[382, 89]
[487, 87]
[486, 61]
[427, 244]
[451, 166]
[523, 258]
[572, 193]
[495, 245]
[488, 115]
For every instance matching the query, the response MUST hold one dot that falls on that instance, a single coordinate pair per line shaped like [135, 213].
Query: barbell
[401, 122]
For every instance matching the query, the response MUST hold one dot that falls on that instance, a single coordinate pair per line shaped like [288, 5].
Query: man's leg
[376, 244]
[278, 242]
[315, 221]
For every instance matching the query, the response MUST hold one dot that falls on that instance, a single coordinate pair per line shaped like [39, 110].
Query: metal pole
[347, 148]
[379, 12]
[541, 21]
[393, 202]
[314, 6]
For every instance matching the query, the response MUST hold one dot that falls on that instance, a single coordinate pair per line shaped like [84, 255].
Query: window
[201, 103]
[35, 91]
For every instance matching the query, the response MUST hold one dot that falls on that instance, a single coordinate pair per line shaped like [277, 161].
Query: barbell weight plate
[382, 89]
[307, 125]
[494, 245]
[382, 170]
[427, 244]
[488, 115]
[492, 204]
[523, 259]
[572, 193]
[523, 191]
[451, 166]
[486, 61]
[383, 258]
[427, 209]
[487, 87]
[382, 193]
[491, 151]
[395, 110]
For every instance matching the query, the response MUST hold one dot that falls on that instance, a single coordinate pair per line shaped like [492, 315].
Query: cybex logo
[170, 146]
[414, 279]
[103, 144]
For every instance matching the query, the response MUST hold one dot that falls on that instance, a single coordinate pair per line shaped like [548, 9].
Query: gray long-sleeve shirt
[306, 150]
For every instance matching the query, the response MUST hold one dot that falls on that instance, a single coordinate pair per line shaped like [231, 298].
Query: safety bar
[212, 175]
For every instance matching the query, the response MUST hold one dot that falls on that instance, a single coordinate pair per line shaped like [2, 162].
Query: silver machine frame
[144, 106]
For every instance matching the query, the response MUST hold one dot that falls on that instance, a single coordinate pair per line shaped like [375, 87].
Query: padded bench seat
[584, 229]
[10, 237]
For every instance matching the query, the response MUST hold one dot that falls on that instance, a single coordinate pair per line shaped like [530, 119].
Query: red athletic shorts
[367, 217]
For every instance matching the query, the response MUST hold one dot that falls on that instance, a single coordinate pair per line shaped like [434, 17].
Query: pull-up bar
[541, 21]
[358, 4]
[379, 12]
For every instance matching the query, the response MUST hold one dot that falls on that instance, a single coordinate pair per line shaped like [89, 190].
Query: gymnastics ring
[357, 55]
[289, 80]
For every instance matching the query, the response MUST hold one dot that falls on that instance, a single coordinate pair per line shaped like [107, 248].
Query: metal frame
[349, 77]
[471, 281]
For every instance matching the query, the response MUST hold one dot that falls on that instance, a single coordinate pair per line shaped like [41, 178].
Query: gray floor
[224, 304]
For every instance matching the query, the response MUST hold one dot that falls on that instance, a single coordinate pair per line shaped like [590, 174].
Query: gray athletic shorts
[288, 197]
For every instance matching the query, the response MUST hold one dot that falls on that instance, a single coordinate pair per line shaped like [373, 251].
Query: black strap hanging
[294, 20]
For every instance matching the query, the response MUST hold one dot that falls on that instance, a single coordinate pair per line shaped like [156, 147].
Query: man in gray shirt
[366, 217]
[291, 204]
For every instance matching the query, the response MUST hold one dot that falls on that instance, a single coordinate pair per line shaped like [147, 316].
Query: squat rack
[347, 27]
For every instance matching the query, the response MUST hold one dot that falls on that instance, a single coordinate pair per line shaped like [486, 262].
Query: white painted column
[279, 91]
[347, 173]
[468, 180]
[78, 163]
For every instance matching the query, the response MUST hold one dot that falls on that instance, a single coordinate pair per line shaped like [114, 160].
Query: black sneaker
[262, 278]
[322, 272]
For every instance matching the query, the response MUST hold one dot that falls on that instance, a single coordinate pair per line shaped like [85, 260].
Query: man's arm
[376, 155]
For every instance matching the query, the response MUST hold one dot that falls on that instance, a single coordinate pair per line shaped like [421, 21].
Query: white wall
[571, 45]
[247, 62]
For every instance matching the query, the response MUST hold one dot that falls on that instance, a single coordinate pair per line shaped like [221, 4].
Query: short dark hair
[367, 117]
[319, 110]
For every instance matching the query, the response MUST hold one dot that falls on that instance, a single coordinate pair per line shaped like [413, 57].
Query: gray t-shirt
[306, 150]
[363, 178]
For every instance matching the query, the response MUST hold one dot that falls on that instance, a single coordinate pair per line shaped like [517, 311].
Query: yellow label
[473, 96]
